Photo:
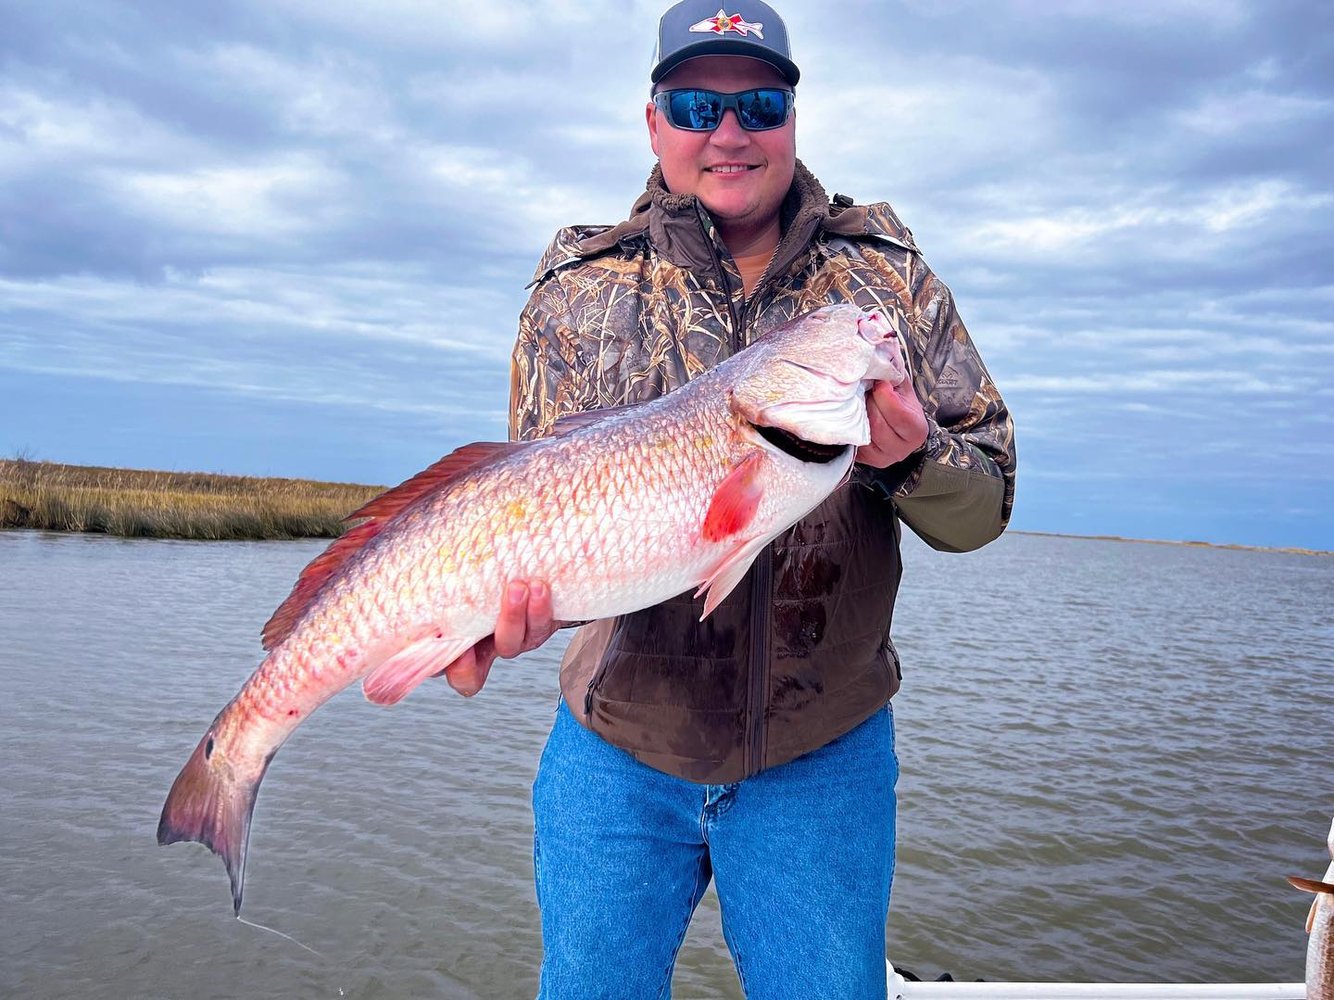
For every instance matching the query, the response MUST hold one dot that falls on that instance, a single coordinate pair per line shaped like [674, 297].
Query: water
[1112, 754]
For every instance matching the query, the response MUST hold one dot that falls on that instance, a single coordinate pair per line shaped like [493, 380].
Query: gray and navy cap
[738, 28]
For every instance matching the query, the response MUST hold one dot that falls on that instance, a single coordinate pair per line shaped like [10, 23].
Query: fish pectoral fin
[391, 681]
[735, 501]
[728, 573]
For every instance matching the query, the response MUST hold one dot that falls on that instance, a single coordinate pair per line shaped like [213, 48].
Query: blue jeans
[803, 855]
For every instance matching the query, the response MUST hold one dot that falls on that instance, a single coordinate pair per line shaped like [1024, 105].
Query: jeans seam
[737, 964]
[695, 892]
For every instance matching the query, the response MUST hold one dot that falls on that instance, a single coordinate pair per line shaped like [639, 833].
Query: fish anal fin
[728, 573]
[735, 501]
[393, 679]
[380, 510]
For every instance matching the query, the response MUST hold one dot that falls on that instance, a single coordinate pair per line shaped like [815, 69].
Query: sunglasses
[702, 110]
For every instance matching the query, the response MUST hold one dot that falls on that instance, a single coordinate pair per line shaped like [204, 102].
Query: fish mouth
[811, 452]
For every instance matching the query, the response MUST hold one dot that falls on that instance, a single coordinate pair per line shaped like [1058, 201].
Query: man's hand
[524, 623]
[898, 424]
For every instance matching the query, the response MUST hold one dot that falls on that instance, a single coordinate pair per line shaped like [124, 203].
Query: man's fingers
[897, 421]
[525, 620]
[895, 401]
[468, 673]
[540, 614]
[512, 624]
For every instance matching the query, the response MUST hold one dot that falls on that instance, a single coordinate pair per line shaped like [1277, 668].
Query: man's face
[705, 163]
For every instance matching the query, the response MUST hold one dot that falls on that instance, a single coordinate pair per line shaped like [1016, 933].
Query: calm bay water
[1112, 754]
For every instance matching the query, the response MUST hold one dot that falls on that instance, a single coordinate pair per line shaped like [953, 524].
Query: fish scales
[627, 509]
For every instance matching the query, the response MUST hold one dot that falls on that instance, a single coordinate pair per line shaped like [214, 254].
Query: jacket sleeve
[547, 380]
[958, 491]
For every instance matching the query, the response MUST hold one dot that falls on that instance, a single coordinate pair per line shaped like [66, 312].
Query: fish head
[811, 380]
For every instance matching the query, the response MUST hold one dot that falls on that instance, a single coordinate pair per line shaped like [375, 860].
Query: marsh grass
[143, 504]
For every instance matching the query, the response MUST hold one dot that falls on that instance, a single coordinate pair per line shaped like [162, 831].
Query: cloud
[318, 218]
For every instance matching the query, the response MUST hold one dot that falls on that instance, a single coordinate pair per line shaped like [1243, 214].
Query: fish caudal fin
[207, 805]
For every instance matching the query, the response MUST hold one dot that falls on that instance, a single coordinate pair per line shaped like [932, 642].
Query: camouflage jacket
[800, 652]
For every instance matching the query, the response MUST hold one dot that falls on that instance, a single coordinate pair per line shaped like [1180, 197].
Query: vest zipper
[761, 597]
[761, 600]
[761, 579]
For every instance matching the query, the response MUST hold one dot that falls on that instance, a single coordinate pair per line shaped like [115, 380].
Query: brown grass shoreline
[137, 503]
[1286, 550]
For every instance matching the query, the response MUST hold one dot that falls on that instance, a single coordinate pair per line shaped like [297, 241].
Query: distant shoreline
[140, 503]
[1286, 550]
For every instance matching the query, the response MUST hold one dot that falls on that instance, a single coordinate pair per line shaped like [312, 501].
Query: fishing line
[271, 930]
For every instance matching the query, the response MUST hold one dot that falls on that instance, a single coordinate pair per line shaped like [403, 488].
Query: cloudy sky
[290, 237]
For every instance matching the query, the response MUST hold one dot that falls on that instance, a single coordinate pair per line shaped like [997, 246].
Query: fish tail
[212, 806]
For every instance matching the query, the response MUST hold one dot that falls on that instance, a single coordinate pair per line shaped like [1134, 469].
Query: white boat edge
[901, 989]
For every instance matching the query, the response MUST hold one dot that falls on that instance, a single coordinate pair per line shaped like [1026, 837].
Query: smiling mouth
[731, 168]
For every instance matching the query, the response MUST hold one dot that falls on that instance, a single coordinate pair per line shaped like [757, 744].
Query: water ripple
[1110, 754]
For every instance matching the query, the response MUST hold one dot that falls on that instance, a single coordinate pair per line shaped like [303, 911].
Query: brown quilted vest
[800, 652]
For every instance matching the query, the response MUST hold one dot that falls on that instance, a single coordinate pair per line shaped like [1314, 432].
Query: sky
[291, 237]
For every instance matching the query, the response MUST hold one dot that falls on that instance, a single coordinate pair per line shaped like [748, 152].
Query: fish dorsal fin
[312, 578]
[572, 422]
[380, 511]
[455, 465]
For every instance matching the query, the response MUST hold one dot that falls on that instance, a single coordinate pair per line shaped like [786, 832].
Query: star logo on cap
[724, 22]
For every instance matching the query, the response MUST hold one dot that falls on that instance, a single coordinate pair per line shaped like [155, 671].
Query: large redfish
[631, 507]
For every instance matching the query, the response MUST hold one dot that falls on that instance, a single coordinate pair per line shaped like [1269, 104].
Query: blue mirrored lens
[762, 109]
[695, 109]
[702, 110]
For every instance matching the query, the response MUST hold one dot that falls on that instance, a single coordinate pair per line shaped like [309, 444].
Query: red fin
[455, 465]
[391, 681]
[728, 573]
[735, 501]
[381, 510]
[206, 804]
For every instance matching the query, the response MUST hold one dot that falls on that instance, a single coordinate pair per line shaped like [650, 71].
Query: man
[755, 748]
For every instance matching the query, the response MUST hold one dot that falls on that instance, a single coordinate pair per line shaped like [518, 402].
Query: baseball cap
[737, 28]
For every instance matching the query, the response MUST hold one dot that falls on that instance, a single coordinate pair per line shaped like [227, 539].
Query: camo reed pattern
[626, 313]
[633, 323]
